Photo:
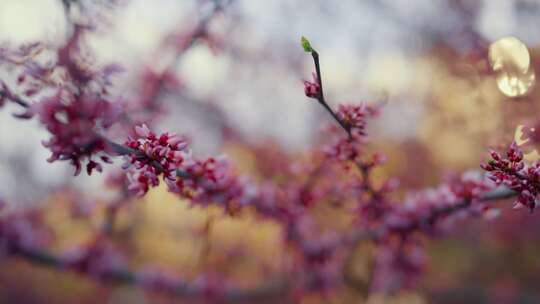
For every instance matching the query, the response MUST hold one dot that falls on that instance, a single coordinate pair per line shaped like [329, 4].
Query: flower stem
[320, 97]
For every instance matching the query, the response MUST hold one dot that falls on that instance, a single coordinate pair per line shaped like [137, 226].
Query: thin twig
[320, 97]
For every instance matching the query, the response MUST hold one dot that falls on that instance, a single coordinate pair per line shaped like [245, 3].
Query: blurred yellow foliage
[191, 238]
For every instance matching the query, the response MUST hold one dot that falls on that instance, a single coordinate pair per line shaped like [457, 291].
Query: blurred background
[456, 77]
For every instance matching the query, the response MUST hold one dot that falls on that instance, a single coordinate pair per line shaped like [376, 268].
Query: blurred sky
[366, 49]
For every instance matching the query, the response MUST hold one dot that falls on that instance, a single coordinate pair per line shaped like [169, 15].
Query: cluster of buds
[426, 209]
[73, 122]
[152, 156]
[512, 172]
[341, 147]
[353, 116]
[212, 181]
[78, 107]
[205, 181]
[98, 258]
[400, 256]
[469, 186]
[312, 89]
[347, 147]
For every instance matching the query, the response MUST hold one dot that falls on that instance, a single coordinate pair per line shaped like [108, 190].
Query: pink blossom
[153, 156]
[341, 146]
[312, 89]
[353, 116]
[511, 171]
[73, 122]
[213, 180]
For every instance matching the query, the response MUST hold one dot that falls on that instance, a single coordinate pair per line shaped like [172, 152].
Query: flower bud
[312, 89]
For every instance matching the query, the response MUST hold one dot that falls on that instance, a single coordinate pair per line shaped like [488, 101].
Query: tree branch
[321, 99]
[183, 290]
[491, 196]
[271, 289]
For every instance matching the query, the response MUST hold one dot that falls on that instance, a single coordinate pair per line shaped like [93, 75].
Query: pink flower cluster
[312, 89]
[400, 257]
[98, 258]
[353, 116]
[153, 156]
[512, 172]
[78, 107]
[347, 147]
[211, 180]
[73, 122]
[342, 147]
[425, 209]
